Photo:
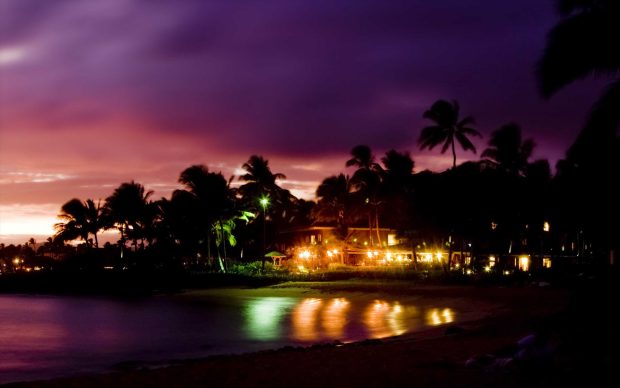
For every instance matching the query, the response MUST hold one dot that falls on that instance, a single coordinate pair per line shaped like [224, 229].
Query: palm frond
[446, 145]
[601, 125]
[465, 143]
[579, 46]
[469, 131]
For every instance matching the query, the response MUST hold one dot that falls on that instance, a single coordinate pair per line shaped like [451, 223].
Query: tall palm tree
[367, 180]
[80, 219]
[448, 129]
[260, 181]
[508, 150]
[337, 203]
[127, 208]
[211, 199]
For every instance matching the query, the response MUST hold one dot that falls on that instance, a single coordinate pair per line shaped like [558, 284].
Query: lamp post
[264, 201]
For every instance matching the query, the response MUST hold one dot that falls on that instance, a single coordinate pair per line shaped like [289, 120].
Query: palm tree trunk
[449, 261]
[453, 155]
[96, 240]
[377, 225]
[209, 247]
[370, 228]
[223, 265]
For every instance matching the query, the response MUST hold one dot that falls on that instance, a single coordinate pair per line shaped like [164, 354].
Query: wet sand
[494, 318]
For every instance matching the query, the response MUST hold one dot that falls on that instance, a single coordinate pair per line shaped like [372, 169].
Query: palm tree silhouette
[508, 150]
[397, 187]
[447, 128]
[336, 204]
[80, 219]
[334, 201]
[127, 208]
[260, 181]
[366, 181]
[583, 44]
[398, 170]
[210, 197]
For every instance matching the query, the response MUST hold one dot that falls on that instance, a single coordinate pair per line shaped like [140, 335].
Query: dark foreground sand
[578, 327]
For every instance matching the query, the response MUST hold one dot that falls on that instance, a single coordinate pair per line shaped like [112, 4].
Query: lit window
[391, 240]
[546, 262]
[524, 263]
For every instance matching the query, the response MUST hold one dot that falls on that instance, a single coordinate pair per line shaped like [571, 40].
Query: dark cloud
[282, 78]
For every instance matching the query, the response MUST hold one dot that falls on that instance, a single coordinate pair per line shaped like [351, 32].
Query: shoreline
[450, 344]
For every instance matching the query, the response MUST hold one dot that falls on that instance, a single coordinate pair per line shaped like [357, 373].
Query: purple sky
[94, 93]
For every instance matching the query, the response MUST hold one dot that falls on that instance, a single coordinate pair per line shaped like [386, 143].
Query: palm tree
[397, 187]
[127, 208]
[81, 219]
[584, 43]
[211, 198]
[261, 182]
[223, 229]
[508, 150]
[366, 180]
[447, 128]
[398, 169]
[336, 203]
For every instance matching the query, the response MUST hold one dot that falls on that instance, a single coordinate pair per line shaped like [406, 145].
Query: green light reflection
[264, 316]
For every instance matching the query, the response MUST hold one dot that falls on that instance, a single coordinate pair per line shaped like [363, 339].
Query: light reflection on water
[335, 317]
[328, 319]
[264, 316]
[46, 336]
[435, 317]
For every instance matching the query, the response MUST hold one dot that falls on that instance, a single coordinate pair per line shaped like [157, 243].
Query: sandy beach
[494, 319]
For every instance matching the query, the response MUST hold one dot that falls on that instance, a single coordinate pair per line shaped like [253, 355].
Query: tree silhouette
[398, 170]
[337, 204]
[261, 182]
[80, 219]
[585, 43]
[508, 150]
[366, 180]
[210, 196]
[397, 187]
[447, 129]
[127, 209]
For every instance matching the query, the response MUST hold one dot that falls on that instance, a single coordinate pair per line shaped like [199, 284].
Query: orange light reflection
[305, 319]
[335, 317]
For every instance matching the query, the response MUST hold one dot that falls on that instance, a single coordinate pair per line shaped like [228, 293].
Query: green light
[264, 201]
[264, 316]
